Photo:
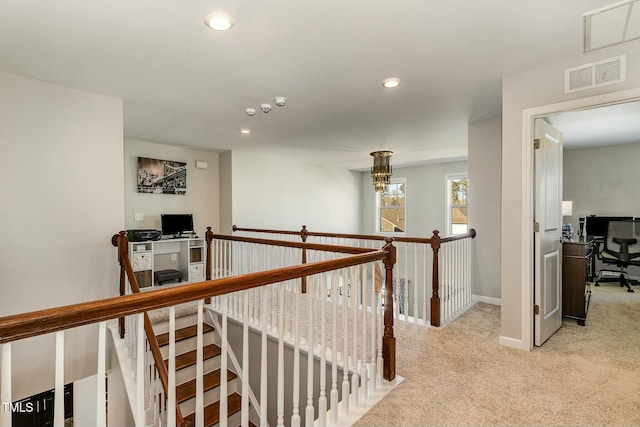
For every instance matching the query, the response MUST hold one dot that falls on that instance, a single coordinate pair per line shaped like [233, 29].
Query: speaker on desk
[582, 230]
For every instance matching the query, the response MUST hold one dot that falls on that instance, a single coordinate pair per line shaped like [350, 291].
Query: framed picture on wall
[161, 176]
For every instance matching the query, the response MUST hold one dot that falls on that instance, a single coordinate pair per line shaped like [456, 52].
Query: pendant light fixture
[381, 170]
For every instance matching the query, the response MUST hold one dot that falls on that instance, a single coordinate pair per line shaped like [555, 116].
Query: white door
[548, 231]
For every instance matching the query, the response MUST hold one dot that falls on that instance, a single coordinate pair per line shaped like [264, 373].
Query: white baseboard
[511, 342]
[488, 300]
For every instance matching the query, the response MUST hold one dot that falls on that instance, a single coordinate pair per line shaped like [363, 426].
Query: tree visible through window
[391, 208]
[457, 211]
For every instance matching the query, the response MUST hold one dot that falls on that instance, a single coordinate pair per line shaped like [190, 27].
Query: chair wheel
[630, 290]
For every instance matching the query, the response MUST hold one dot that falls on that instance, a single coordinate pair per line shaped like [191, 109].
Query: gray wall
[62, 198]
[602, 181]
[485, 140]
[280, 192]
[425, 198]
[202, 195]
[526, 90]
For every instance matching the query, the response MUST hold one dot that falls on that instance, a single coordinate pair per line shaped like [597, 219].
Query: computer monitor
[597, 225]
[176, 224]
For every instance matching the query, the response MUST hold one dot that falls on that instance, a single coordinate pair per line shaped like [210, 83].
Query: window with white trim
[391, 208]
[457, 209]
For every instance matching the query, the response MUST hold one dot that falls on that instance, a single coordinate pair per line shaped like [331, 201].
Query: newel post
[122, 243]
[435, 280]
[388, 340]
[303, 237]
[208, 236]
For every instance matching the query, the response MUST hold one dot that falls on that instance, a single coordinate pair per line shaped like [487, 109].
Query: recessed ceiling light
[391, 82]
[219, 21]
[245, 131]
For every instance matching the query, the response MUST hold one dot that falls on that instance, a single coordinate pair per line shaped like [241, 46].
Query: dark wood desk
[577, 258]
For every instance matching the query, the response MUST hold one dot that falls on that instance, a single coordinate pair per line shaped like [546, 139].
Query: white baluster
[363, 307]
[468, 272]
[322, 400]
[379, 341]
[309, 415]
[355, 377]
[140, 353]
[425, 286]
[245, 362]
[415, 283]
[406, 282]
[345, 345]
[58, 411]
[295, 416]
[334, 346]
[171, 370]
[223, 366]
[101, 409]
[374, 320]
[5, 385]
[263, 360]
[280, 404]
[200, 366]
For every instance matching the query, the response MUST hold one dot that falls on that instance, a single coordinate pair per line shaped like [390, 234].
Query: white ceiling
[183, 83]
[613, 124]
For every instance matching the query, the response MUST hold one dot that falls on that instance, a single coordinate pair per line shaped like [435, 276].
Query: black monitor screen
[173, 224]
[597, 225]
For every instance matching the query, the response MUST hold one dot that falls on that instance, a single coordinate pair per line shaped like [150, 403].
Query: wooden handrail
[305, 232]
[25, 325]
[469, 234]
[299, 245]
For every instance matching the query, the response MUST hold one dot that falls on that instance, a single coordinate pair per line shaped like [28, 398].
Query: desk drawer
[575, 249]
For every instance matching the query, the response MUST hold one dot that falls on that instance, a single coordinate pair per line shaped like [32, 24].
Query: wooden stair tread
[212, 412]
[187, 359]
[211, 380]
[183, 334]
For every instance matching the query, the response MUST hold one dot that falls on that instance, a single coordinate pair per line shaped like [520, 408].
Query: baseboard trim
[488, 300]
[511, 342]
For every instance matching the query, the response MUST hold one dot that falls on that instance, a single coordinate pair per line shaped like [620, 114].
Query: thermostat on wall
[201, 164]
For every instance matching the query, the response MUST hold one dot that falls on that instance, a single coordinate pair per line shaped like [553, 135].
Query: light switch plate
[139, 217]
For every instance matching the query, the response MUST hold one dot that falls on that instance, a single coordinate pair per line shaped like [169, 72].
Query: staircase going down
[185, 341]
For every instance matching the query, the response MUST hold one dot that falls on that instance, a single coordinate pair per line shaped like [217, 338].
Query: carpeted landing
[461, 376]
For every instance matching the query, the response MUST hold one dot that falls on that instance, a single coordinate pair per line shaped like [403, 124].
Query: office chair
[622, 248]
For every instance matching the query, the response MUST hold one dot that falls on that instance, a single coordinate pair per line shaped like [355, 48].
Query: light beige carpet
[461, 376]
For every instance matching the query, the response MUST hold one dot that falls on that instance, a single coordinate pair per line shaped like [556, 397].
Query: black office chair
[622, 248]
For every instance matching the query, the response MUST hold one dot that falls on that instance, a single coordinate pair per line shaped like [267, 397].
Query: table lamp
[567, 210]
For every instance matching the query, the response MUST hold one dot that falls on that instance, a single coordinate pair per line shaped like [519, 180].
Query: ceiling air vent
[587, 76]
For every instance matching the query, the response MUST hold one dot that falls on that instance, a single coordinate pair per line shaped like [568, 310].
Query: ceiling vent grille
[587, 76]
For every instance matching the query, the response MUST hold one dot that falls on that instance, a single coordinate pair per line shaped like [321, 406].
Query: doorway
[527, 161]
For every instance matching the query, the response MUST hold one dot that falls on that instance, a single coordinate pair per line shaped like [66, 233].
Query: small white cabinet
[184, 255]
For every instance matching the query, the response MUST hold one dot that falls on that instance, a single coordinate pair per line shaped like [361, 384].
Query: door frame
[528, 117]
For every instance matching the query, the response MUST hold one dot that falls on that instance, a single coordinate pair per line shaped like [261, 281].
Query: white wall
[535, 88]
[201, 200]
[485, 140]
[283, 193]
[62, 198]
[426, 198]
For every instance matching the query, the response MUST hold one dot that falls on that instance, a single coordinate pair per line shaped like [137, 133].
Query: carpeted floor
[461, 376]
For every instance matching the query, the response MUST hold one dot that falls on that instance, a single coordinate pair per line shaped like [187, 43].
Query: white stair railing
[275, 306]
[455, 279]
[334, 329]
[413, 273]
